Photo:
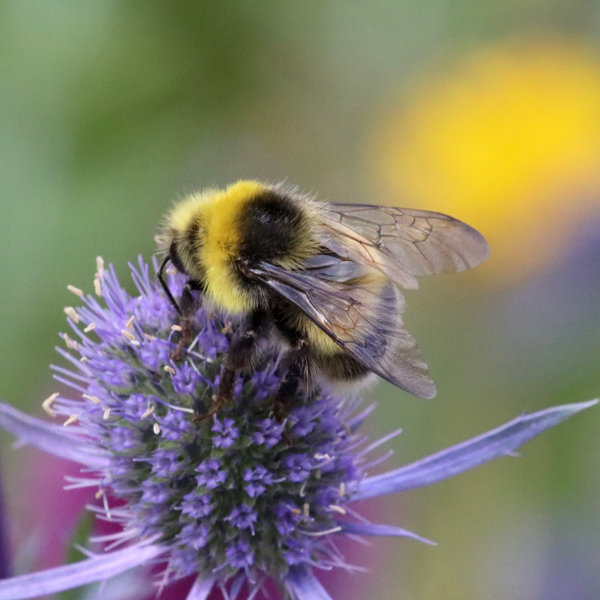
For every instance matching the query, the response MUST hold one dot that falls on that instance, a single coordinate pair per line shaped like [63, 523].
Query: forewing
[402, 243]
[360, 310]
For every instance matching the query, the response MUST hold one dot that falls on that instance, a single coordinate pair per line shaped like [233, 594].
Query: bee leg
[187, 309]
[223, 395]
[296, 368]
[242, 352]
[296, 365]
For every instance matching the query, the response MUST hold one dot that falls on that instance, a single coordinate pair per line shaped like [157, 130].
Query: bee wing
[360, 310]
[402, 243]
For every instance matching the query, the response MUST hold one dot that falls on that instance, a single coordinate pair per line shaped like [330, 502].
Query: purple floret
[235, 499]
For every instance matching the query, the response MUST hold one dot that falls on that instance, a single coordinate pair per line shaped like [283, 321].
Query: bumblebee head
[183, 234]
[182, 237]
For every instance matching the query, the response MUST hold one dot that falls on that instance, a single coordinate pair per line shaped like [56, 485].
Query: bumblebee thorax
[250, 222]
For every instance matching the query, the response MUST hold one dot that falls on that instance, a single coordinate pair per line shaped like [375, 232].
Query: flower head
[235, 499]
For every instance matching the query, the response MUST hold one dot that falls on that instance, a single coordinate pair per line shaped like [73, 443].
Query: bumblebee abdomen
[341, 368]
[332, 361]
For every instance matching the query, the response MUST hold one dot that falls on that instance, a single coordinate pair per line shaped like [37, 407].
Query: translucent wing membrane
[403, 243]
[360, 310]
[350, 291]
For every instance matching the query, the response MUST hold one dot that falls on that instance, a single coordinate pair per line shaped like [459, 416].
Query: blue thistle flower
[236, 499]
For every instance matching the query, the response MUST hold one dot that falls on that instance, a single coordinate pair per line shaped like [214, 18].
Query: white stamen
[303, 488]
[128, 335]
[169, 369]
[147, 413]
[337, 509]
[156, 428]
[176, 328]
[179, 408]
[97, 286]
[342, 491]
[129, 323]
[149, 337]
[320, 533]
[92, 399]
[70, 420]
[100, 494]
[68, 341]
[71, 313]
[306, 510]
[191, 347]
[89, 328]
[75, 290]
[83, 359]
[319, 456]
[99, 266]
[48, 402]
[106, 414]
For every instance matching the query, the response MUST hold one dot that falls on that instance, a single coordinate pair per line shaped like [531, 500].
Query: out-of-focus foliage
[108, 110]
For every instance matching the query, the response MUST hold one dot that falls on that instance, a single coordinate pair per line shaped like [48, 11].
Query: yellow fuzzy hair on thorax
[219, 212]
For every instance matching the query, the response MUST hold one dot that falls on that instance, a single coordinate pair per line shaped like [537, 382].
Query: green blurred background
[489, 111]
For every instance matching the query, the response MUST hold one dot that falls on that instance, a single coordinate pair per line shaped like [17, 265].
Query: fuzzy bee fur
[320, 279]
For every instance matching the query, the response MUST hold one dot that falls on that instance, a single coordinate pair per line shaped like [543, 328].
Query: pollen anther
[70, 420]
[48, 402]
[71, 313]
[128, 335]
[92, 399]
[75, 290]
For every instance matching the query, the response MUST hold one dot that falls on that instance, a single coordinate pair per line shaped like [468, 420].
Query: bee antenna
[164, 285]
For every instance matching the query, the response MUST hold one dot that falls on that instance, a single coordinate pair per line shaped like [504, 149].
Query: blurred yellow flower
[509, 141]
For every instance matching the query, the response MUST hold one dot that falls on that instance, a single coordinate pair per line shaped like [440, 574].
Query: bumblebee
[317, 278]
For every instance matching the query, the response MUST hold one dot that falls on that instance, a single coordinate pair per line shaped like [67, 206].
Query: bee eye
[174, 256]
